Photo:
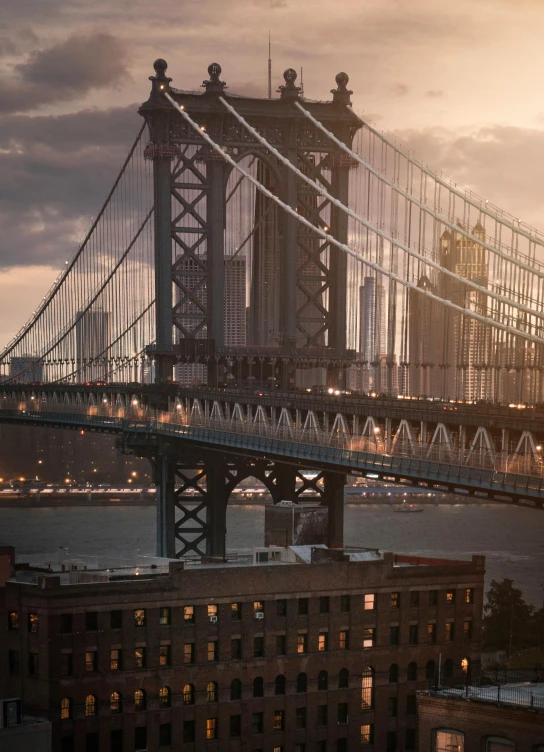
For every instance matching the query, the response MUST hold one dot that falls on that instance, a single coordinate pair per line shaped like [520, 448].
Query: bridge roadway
[309, 431]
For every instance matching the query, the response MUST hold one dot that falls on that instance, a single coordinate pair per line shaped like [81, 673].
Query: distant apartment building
[26, 369]
[298, 648]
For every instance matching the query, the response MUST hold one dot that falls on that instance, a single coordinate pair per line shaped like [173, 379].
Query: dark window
[414, 598]
[165, 735]
[116, 740]
[323, 642]
[344, 639]
[91, 742]
[450, 631]
[303, 606]
[342, 712]
[165, 697]
[450, 596]
[448, 668]
[164, 616]
[342, 745]
[116, 619]
[322, 680]
[302, 682]
[140, 737]
[321, 746]
[235, 725]
[90, 661]
[344, 603]
[66, 664]
[395, 600]
[281, 644]
[188, 732]
[279, 720]
[300, 718]
[467, 630]
[139, 700]
[431, 632]
[33, 622]
[14, 662]
[391, 741]
[116, 659]
[189, 614]
[258, 687]
[236, 689]
[139, 617]
[257, 723]
[410, 740]
[279, 685]
[189, 652]
[394, 635]
[66, 623]
[411, 674]
[300, 747]
[281, 607]
[469, 595]
[411, 706]
[343, 679]
[393, 673]
[433, 597]
[236, 649]
[429, 670]
[13, 620]
[165, 656]
[321, 715]
[392, 706]
[91, 621]
[258, 647]
[33, 664]
[140, 656]
[67, 744]
[324, 604]
[236, 611]
[90, 706]
[413, 634]
[302, 643]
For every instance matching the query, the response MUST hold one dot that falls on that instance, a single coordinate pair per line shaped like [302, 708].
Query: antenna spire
[269, 67]
[301, 83]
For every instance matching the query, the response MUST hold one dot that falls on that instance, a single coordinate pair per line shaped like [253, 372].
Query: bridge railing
[507, 468]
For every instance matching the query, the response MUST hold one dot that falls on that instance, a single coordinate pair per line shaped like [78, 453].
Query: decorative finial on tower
[214, 85]
[160, 80]
[289, 91]
[341, 95]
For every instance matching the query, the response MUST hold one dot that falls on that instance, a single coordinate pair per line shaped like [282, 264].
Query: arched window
[115, 703]
[258, 687]
[448, 740]
[164, 697]
[367, 687]
[412, 671]
[188, 694]
[343, 679]
[465, 666]
[236, 689]
[499, 744]
[279, 685]
[139, 699]
[90, 705]
[448, 669]
[302, 682]
[430, 670]
[393, 673]
[211, 692]
[323, 680]
[65, 708]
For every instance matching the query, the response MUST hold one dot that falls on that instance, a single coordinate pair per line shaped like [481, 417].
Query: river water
[511, 538]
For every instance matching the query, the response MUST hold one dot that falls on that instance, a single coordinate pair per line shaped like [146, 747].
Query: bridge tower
[308, 276]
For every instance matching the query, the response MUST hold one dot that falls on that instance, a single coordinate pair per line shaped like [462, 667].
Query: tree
[508, 622]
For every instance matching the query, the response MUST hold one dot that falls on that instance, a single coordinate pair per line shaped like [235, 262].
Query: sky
[459, 83]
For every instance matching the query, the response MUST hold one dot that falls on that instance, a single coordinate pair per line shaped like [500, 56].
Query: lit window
[211, 692]
[278, 720]
[323, 642]
[450, 596]
[139, 617]
[236, 611]
[139, 699]
[368, 637]
[212, 650]
[367, 735]
[367, 688]
[395, 600]
[90, 661]
[302, 643]
[212, 609]
[188, 694]
[431, 632]
[164, 615]
[449, 741]
[164, 655]
[115, 702]
[140, 656]
[258, 606]
[344, 639]
[189, 652]
[370, 601]
[189, 614]
[13, 620]
[33, 621]
[90, 705]
[469, 595]
[116, 662]
[164, 697]
[211, 728]
[465, 665]
[65, 708]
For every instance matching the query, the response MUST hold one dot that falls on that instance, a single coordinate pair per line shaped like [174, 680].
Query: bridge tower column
[164, 479]
[216, 220]
[333, 498]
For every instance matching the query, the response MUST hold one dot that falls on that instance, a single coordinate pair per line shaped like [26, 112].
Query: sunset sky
[460, 83]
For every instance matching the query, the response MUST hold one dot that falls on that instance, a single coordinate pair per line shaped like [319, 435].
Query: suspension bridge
[273, 285]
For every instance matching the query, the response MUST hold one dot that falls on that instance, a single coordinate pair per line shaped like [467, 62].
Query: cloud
[399, 90]
[66, 71]
[434, 93]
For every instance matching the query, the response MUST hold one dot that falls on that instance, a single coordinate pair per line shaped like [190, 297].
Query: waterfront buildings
[298, 648]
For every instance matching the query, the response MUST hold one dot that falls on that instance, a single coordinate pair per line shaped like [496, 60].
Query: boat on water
[407, 508]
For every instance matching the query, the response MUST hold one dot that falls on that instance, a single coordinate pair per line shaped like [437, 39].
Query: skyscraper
[425, 342]
[92, 345]
[373, 329]
[24, 369]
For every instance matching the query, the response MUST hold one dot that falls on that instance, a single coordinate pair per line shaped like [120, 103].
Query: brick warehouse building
[301, 649]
